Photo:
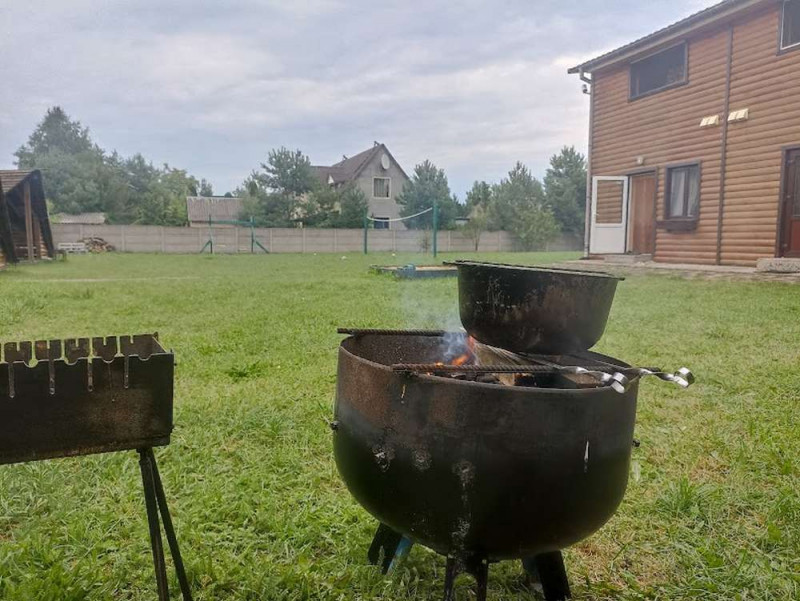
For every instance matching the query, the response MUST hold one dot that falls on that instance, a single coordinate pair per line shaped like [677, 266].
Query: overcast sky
[212, 85]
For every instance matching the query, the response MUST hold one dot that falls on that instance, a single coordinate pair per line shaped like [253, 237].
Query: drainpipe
[723, 161]
[588, 219]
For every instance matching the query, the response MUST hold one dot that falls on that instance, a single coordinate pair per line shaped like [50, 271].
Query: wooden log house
[694, 144]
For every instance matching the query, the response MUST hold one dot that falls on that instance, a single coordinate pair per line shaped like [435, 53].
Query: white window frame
[388, 188]
[783, 28]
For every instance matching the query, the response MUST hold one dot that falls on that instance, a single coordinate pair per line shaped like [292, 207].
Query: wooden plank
[37, 239]
[26, 192]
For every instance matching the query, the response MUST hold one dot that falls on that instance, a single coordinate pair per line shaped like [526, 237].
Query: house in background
[376, 173]
[695, 138]
[79, 218]
[222, 210]
[24, 223]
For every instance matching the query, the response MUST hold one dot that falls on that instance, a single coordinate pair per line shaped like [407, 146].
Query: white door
[609, 215]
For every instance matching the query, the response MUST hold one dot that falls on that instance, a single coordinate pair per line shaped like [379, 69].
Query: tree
[73, 164]
[518, 206]
[565, 189]
[353, 205]
[55, 133]
[427, 186]
[287, 172]
[480, 195]
[205, 188]
[279, 194]
[73, 182]
[339, 207]
[477, 224]
[266, 208]
[535, 227]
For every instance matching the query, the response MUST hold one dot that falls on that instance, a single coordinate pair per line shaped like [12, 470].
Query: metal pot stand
[388, 548]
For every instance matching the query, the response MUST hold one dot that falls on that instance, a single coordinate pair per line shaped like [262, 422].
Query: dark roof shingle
[350, 168]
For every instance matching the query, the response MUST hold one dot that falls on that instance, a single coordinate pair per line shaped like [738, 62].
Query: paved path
[685, 270]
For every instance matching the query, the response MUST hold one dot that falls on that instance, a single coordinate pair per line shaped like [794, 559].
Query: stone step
[627, 259]
[776, 265]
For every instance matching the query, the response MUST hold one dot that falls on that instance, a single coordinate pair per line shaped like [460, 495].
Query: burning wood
[462, 360]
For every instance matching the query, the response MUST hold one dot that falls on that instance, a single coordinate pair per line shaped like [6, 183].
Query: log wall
[664, 128]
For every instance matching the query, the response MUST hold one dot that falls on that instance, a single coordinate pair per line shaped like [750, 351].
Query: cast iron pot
[534, 310]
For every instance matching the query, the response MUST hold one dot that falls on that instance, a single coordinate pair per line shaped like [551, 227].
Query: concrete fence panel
[231, 240]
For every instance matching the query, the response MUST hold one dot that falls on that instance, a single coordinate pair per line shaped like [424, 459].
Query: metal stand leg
[148, 481]
[169, 530]
[477, 567]
[156, 500]
[403, 549]
[549, 569]
[480, 570]
[386, 540]
[451, 572]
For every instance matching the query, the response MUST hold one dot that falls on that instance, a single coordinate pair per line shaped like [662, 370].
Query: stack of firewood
[97, 245]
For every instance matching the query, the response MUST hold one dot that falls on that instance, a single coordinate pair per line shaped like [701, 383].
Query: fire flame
[469, 356]
[460, 360]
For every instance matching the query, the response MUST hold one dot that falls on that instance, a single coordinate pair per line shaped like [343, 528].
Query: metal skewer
[371, 332]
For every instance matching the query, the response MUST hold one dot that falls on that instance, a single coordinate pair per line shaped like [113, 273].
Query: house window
[380, 187]
[667, 69]
[790, 26]
[381, 223]
[683, 192]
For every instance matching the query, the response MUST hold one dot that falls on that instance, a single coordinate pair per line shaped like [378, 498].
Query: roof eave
[671, 33]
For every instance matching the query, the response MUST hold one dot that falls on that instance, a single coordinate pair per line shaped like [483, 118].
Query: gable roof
[350, 168]
[677, 30]
[218, 208]
[11, 178]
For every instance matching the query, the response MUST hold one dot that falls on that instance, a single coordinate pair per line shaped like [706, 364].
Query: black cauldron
[534, 310]
[477, 470]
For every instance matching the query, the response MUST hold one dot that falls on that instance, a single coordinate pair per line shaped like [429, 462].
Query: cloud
[210, 86]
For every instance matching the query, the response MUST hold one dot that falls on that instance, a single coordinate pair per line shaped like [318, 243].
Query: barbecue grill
[81, 396]
[449, 457]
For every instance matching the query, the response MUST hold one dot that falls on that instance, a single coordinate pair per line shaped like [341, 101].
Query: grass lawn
[712, 509]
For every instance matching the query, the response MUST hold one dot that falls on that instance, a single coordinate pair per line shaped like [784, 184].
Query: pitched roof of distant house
[219, 208]
[80, 218]
[350, 168]
[669, 33]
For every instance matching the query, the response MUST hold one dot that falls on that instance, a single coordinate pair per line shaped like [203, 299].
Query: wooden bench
[72, 247]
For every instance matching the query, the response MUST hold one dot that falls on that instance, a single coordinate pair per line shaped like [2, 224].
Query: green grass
[712, 509]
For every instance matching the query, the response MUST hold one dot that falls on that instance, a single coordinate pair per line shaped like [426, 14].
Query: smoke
[433, 305]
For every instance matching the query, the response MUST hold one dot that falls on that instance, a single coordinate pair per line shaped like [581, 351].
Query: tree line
[81, 177]
[285, 192]
[534, 211]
